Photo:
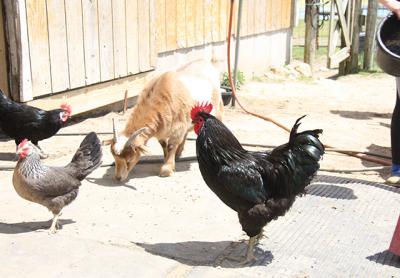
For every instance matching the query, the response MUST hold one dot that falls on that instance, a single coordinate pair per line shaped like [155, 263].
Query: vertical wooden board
[261, 16]
[38, 47]
[91, 41]
[199, 22]
[132, 39]
[280, 7]
[106, 45]
[288, 13]
[215, 20]
[144, 34]
[119, 35]
[73, 16]
[180, 23]
[284, 10]
[170, 18]
[276, 15]
[251, 17]
[190, 23]
[224, 20]
[161, 39]
[208, 21]
[153, 49]
[58, 45]
[269, 13]
[243, 20]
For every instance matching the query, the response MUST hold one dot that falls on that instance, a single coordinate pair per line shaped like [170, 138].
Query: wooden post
[355, 44]
[311, 18]
[370, 34]
[20, 82]
[348, 14]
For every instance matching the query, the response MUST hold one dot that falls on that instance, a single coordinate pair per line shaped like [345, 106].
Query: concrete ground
[176, 227]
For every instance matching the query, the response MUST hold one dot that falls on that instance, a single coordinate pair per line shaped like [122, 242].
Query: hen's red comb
[23, 142]
[67, 108]
[201, 107]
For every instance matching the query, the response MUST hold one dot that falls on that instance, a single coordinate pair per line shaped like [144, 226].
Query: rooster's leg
[243, 260]
[54, 224]
[250, 249]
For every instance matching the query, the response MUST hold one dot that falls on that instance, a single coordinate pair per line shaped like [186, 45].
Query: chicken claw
[249, 257]
[54, 225]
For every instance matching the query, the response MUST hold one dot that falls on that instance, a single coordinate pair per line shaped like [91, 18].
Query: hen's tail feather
[87, 158]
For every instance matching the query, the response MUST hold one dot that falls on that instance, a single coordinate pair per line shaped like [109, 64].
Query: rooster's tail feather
[299, 160]
[87, 158]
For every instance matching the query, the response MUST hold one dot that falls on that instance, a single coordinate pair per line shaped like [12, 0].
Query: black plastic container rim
[378, 37]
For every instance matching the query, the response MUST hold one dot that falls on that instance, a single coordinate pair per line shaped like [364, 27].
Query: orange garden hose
[347, 152]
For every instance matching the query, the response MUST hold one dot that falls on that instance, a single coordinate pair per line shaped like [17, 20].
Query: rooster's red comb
[23, 142]
[67, 108]
[201, 107]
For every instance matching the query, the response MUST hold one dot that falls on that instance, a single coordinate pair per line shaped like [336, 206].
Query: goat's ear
[107, 142]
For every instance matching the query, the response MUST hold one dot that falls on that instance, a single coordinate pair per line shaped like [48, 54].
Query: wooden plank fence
[76, 43]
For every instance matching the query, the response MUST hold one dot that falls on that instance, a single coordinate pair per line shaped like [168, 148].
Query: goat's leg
[169, 165]
[180, 147]
[163, 144]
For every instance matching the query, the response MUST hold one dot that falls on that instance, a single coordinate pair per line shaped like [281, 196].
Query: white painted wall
[257, 53]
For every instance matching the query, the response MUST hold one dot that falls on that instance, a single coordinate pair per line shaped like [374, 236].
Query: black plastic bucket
[388, 45]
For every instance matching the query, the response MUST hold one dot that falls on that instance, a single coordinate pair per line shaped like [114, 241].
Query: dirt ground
[168, 227]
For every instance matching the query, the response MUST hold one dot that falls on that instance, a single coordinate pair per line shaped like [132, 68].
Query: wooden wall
[76, 43]
[188, 23]
[56, 46]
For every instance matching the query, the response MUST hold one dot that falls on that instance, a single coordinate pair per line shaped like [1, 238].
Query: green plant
[239, 80]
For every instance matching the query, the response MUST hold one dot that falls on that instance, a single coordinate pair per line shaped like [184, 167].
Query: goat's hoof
[166, 171]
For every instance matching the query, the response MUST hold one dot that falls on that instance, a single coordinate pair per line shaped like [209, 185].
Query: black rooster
[20, 121]
[259, 186]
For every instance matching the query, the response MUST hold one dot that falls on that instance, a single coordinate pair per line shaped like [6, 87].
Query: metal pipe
[237, 44]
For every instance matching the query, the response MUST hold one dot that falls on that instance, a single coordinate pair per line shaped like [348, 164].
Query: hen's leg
[54, 225]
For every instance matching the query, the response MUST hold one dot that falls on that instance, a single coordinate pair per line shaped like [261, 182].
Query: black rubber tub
[388, 45]
[226, 94]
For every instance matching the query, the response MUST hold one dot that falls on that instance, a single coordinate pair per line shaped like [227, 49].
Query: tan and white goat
[163, 111]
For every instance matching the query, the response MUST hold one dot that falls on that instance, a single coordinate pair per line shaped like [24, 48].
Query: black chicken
[259, 186]
[54, 187]
[20, 121]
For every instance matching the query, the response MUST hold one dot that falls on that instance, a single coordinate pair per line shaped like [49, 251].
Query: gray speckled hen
[54, 187]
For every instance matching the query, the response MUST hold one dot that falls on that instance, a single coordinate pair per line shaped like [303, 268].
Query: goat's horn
[133, 136]
[114, 131]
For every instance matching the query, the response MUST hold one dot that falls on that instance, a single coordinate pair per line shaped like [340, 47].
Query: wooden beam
[95, 96]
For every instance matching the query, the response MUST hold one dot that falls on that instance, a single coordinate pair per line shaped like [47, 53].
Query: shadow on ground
[385, 258]
[330, 191]
[26, 227]
[329, 181]
[201, 253]
[147, 167]
[358, 115]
